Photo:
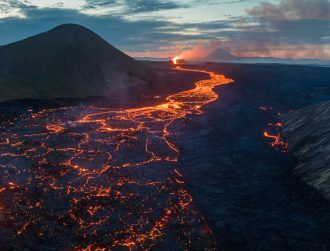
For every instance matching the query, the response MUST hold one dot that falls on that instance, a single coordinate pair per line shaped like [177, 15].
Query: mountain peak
[73, 33]
[70, 26]
[72, 61]
[73, 29]
[62, 35]
[220, 55]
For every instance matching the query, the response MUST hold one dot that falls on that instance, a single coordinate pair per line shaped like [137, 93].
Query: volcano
[67, 61]
[220, 55]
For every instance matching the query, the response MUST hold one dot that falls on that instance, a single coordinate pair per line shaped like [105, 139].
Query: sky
[163, 28]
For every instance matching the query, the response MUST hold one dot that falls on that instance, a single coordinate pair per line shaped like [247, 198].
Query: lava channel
[91, 178]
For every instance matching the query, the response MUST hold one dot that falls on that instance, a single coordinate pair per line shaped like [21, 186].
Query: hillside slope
[67, 61]
[308, 133]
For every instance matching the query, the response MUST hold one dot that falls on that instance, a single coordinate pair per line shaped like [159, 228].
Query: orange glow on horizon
[277, 51]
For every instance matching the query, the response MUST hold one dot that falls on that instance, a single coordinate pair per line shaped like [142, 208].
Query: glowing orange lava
[276, 141]
[102, 178]
[176, 59]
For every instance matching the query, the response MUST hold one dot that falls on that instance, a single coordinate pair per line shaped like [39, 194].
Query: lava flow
[277, 142]
[91, 178]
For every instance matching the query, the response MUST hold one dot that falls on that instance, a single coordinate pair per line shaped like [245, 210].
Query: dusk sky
[161, 28]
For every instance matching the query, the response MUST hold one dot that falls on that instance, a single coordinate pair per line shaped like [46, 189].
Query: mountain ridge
[69, 61]
[222, 56]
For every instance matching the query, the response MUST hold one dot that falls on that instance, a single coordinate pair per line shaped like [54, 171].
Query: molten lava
[100, 178]
[276, 141]
[177, 60]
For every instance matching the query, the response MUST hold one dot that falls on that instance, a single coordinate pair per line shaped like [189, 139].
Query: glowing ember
[100, 178]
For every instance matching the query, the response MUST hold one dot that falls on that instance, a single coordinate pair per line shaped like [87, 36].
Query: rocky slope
[67, 61]
[308, 134]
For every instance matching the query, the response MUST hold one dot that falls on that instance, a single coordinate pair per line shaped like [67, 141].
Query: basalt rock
[308, 133]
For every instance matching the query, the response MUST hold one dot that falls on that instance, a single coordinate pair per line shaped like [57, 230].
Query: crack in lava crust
[90, 178]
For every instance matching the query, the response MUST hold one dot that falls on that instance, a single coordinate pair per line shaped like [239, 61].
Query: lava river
[91, 178]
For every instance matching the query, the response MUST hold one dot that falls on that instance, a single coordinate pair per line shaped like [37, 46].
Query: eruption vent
[178, 60]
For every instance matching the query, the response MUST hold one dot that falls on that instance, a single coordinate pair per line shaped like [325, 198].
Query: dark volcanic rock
[308, 133]
[67, 61]
[244, 187]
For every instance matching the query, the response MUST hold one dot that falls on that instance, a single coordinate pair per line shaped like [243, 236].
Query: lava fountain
[91, 178]
[178, 60]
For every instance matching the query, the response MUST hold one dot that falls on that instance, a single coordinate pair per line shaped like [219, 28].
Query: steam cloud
[201, 50]
[290, 29]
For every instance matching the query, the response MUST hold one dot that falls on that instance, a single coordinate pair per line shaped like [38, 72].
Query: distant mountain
[67, 61]
[220, 55]
[308, 134]
[153, 59]
[290, 61]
